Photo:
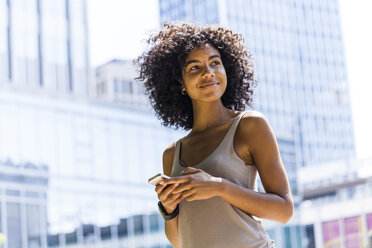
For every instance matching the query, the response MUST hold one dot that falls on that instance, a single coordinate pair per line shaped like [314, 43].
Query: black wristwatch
[164, 213]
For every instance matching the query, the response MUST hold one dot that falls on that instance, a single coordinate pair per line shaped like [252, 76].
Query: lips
[209, 84]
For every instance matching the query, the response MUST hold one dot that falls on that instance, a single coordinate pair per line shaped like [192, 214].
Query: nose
[208, 73]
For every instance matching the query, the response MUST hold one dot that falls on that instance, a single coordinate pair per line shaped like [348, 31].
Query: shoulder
[253, 118]
[254, 125]
[168, 156]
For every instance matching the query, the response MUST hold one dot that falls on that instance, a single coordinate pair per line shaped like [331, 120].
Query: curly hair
[160, 68]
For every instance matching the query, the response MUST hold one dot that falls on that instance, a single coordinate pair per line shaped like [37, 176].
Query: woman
[201, 78]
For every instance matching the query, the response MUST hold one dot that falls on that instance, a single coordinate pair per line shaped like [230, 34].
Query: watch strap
[164, 213]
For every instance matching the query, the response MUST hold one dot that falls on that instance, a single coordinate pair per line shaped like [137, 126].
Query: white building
[337, 204]
[99, 155]
[115, 82]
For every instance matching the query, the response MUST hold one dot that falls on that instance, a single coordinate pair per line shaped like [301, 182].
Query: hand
[169, 199]
[195, 184]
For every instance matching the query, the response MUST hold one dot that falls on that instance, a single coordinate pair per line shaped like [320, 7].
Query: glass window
[53, 240]
[12, 192]
[33, 226]
[123, 228]
[154, 222]
[138, 224]
[106, 232]
[71, 238]
[14, 225]
[116, 86]
[88, 233]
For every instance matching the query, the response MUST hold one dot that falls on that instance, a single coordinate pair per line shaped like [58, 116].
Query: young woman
[201, 79]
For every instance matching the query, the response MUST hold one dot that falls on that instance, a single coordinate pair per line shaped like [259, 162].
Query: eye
[216, 62]
[194, 68]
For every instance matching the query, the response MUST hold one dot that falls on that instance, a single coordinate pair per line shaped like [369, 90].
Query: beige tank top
[214, 223]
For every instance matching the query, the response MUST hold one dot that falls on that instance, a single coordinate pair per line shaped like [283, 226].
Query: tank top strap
[176, 156]
[229, 138]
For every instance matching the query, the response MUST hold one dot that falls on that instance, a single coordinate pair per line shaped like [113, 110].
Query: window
[116, 86]
[154, 222]
[138, 224]
[14, 225]
[33, 225]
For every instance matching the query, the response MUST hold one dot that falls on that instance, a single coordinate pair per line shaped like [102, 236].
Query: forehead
[205, 50]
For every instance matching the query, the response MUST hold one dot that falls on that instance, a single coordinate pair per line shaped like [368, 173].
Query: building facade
[337, 206]
[99, 157]
[98, 151]
[44, 45]
[115, 82]
[23, 203]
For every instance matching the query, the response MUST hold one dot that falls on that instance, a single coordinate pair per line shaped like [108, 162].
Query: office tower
[99, 154]
[300, 66]
[44, 46]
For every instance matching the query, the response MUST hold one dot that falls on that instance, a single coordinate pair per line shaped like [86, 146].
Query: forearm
[171, 231]
[263, 205]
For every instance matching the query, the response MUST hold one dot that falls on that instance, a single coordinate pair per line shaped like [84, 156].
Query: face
[203, 75]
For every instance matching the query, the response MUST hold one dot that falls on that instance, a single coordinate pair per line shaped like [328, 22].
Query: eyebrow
[198, 61]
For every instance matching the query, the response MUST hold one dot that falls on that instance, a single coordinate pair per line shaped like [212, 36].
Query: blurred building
[115, 82]
[44, 45]
[99, 155]
[99, 151]
[337, 206]
[23, 203]
[146, 231]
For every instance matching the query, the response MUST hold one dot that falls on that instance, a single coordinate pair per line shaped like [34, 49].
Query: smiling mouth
[209, 85]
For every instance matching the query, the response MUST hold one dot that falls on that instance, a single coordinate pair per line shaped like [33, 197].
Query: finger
[163, 195]
[179, 179]
[188, 193]
[160, 188]
[172, 198]
[191, 198]
[179, 199]
[183, 187]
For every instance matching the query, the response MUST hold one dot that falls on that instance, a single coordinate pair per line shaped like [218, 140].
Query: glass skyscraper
[300, 66]
[43, 45]
[73, 168]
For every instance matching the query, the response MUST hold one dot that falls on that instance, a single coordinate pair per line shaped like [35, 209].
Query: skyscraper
[43, 45]
[73, 168]
[300, 66]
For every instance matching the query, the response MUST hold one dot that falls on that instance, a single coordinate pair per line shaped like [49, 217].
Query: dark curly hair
[161, 66]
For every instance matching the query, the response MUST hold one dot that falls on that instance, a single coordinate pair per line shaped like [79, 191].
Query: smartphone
[157, 178]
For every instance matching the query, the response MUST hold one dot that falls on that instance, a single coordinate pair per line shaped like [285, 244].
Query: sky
[119, 28]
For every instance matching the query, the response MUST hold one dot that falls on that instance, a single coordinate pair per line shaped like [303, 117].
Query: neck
[207, 115]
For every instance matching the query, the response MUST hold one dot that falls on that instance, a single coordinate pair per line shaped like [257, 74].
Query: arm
[171, 226]
[259, 142]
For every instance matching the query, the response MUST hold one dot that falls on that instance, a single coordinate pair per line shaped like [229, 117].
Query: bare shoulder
[253, 119]
[168, 156]
[253, 128]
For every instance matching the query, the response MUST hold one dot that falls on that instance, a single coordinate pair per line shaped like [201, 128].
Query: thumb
[190, 170]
